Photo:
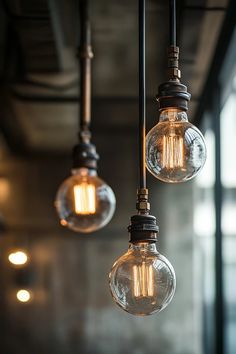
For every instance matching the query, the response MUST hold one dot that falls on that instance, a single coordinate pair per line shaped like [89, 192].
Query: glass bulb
[175, 149]
[142, 281]
[84, 202]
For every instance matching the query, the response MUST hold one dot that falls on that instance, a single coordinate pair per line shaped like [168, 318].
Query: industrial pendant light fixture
[84, 202]
[175, 149]
[142, 281]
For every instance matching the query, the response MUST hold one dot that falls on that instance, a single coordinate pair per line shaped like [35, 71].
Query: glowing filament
[173, 152]
[85, 198]
[143, 280]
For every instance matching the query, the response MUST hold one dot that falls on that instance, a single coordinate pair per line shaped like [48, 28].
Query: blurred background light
[23, 295]
[18, 258]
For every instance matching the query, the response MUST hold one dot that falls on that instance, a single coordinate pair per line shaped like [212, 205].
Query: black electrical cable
[142, 96]
[172, 22]
[85, 56]
[85, 27]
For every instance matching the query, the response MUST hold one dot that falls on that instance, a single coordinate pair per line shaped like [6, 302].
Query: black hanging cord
[85, 56]
[142, 96]
[84, 153]
[172, 22]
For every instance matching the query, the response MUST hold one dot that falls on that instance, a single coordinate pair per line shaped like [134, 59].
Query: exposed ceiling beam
[226, 33]
[9, 124]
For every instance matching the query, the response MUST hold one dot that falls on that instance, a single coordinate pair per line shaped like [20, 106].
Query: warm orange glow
[63, 222]
[23, 295]
[4, 189]
[18, 258]
[85, 198]
[143, 280]
[173, 152]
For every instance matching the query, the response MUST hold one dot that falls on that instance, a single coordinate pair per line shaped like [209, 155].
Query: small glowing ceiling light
[18, 258]
[23, 295]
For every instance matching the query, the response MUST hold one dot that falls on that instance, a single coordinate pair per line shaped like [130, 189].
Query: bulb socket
[85, 155]
[143, 228]
[173, 94]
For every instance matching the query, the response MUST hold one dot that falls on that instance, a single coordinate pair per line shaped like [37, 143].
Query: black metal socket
[143, 228]
[173, 94]
[85, 155]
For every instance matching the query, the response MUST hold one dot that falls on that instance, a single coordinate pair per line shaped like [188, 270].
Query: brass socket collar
[142, 204]
[173, 63]
[85, 52]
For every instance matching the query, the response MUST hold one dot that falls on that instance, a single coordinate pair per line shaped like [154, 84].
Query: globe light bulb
[84, 202]
[175, 148]
[142, 281]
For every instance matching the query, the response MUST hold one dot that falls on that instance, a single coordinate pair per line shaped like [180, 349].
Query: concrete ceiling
[39, 70]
